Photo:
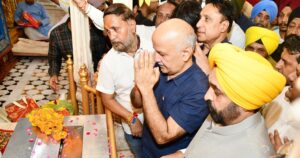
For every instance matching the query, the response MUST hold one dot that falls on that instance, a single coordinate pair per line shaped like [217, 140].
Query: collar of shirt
[182, 77]
[232, 129]
[226, 41]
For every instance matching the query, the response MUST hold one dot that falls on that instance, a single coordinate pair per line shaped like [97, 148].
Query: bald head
[174, 43]
[175, 32]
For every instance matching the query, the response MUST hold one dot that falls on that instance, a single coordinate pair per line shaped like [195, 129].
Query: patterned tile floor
[30, 78]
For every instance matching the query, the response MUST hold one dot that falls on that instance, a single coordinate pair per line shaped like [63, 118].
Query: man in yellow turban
[262, 41]
[240, 83]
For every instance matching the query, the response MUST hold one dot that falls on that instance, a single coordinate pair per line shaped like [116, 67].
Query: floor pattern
[30, 78]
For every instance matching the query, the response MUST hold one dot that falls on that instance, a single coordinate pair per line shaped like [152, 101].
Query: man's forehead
[295, 21]
[165, 10]
[113, 19]
[257, 45]
[210, 11]
[287, 55]
[264, 13]
[166, 6]
[212, 76]
[213, 82]
[209, 8]
[286, 9]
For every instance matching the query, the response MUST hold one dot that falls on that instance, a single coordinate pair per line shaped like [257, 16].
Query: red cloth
[253, 2]
[282, 3]
[4, 138]
[35, 23]
[21, 23]
[14, 112]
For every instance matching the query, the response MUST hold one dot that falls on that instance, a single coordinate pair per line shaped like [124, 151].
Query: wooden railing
[91, 102]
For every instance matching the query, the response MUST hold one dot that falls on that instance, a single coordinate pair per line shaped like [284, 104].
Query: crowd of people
[196, 79]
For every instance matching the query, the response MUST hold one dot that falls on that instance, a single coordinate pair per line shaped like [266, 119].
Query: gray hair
[188, 41]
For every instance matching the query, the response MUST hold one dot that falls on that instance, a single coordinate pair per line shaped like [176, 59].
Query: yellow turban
[269, 38]
[248, 79]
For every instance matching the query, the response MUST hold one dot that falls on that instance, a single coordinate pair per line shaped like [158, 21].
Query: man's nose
[209, 94]
[112, 35]
[279, 64]
[157, 57]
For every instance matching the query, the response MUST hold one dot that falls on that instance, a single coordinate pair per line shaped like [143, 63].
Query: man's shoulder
[197, 80]
[144, 27]
[281, 99]
[111, 56]
[143, 30]
[192, 82]
[21, 4]
[38, 5]
[198, 71]
[59, 28]
[197, 75]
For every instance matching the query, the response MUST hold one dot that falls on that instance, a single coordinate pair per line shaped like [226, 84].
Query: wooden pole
[72, 86]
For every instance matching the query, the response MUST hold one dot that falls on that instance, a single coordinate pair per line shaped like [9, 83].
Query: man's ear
[187, 53]
[135, 10]
[224, 26]
[132, 24]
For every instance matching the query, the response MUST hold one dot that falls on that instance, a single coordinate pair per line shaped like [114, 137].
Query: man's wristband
[132, 119]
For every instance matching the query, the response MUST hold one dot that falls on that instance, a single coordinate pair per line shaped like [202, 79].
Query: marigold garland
[49, 122]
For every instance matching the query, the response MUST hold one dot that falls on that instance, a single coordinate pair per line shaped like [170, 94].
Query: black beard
[215, 115]
[259, 24]
[225, 116]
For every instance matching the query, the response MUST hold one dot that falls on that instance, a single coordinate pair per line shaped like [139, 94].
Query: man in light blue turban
[264, 13]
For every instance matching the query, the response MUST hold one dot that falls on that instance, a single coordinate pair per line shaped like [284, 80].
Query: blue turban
[269, 6]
